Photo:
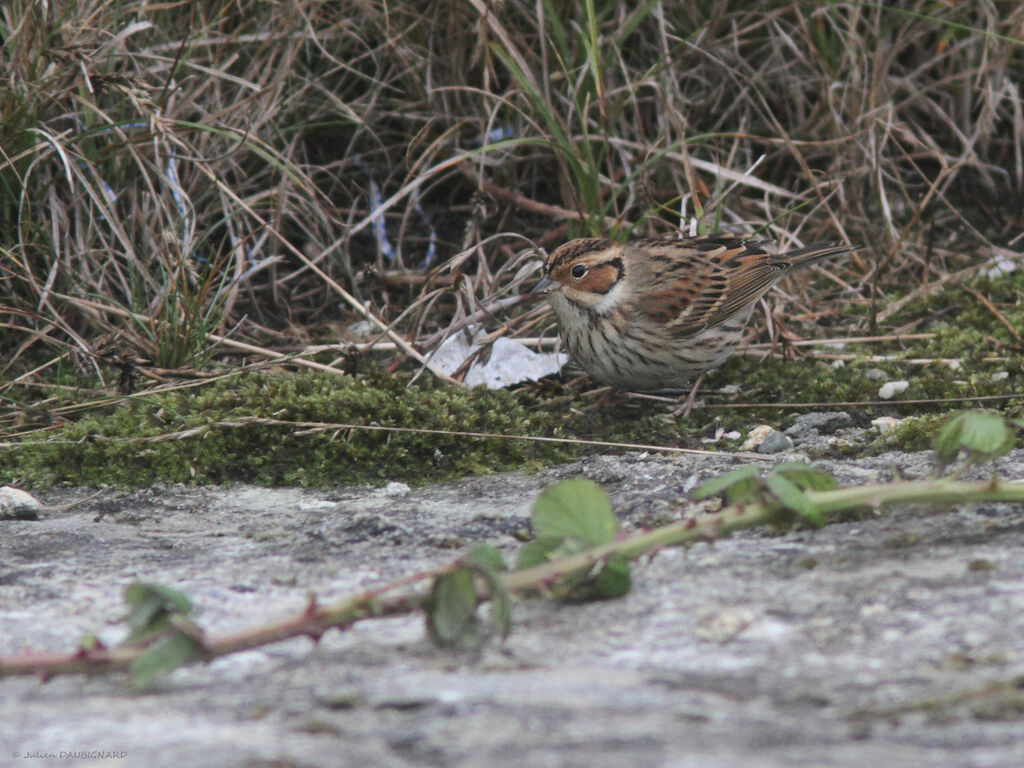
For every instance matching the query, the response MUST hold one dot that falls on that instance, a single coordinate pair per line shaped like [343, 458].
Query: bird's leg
[607, 396]
[691, 399]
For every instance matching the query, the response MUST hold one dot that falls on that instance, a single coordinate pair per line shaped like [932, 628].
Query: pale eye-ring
[578, 271]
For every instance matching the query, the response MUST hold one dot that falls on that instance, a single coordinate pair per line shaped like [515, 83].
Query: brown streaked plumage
[654, 314]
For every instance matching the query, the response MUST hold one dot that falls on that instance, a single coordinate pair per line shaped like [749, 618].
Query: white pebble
[890, 389]
[15, 502]
[885, 424]
[395, 489]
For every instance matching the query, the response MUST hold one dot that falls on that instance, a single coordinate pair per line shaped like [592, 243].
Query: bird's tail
[800, 257]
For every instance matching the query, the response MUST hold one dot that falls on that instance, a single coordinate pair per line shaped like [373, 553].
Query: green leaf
[609, 579]
[175, 649]
[501, 612]
[740, 481]
[983, 435]
[501, 603]
[947, 441]
[487, 563]
[805, 477]
[793, 498]
[451, 610]
[575, 508]
[986, 434]
[537, 552]
[487, 557]
[172, 599]
[613, 580]
[152, 606]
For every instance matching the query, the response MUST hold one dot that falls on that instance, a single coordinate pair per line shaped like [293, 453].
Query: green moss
[265, 429]
[968, 330]
[913, 434]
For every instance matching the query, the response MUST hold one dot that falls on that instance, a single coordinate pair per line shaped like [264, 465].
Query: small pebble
[756, 436]
[875, 374]
[776, 442]
[16, 503]
[818, 423]
[1000, 375]
[838, 363]
[725, 625]
[890, 389]
[395, 489]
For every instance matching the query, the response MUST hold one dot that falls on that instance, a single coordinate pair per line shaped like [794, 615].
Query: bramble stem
[386, 601]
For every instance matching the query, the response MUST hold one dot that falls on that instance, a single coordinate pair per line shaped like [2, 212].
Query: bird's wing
[699, 283]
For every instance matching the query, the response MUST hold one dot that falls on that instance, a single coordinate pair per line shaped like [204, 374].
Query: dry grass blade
[205, 169]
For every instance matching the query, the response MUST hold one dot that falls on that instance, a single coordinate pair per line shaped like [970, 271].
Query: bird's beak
[546, 285]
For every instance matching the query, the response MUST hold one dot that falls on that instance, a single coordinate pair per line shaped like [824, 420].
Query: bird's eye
[578, 271]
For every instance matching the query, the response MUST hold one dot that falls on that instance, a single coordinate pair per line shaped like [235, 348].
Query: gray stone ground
[881, 640]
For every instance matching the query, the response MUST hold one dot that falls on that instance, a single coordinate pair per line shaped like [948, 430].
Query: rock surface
[893, 640]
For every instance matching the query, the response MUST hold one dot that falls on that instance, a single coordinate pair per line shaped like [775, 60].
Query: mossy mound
[287, 429]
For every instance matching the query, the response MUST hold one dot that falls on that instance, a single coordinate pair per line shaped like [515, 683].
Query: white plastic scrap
[509, 363]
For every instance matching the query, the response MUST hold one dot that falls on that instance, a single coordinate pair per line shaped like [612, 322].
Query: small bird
[654, 314]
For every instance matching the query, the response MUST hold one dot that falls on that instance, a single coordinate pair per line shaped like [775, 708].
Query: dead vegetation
[200, 184]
